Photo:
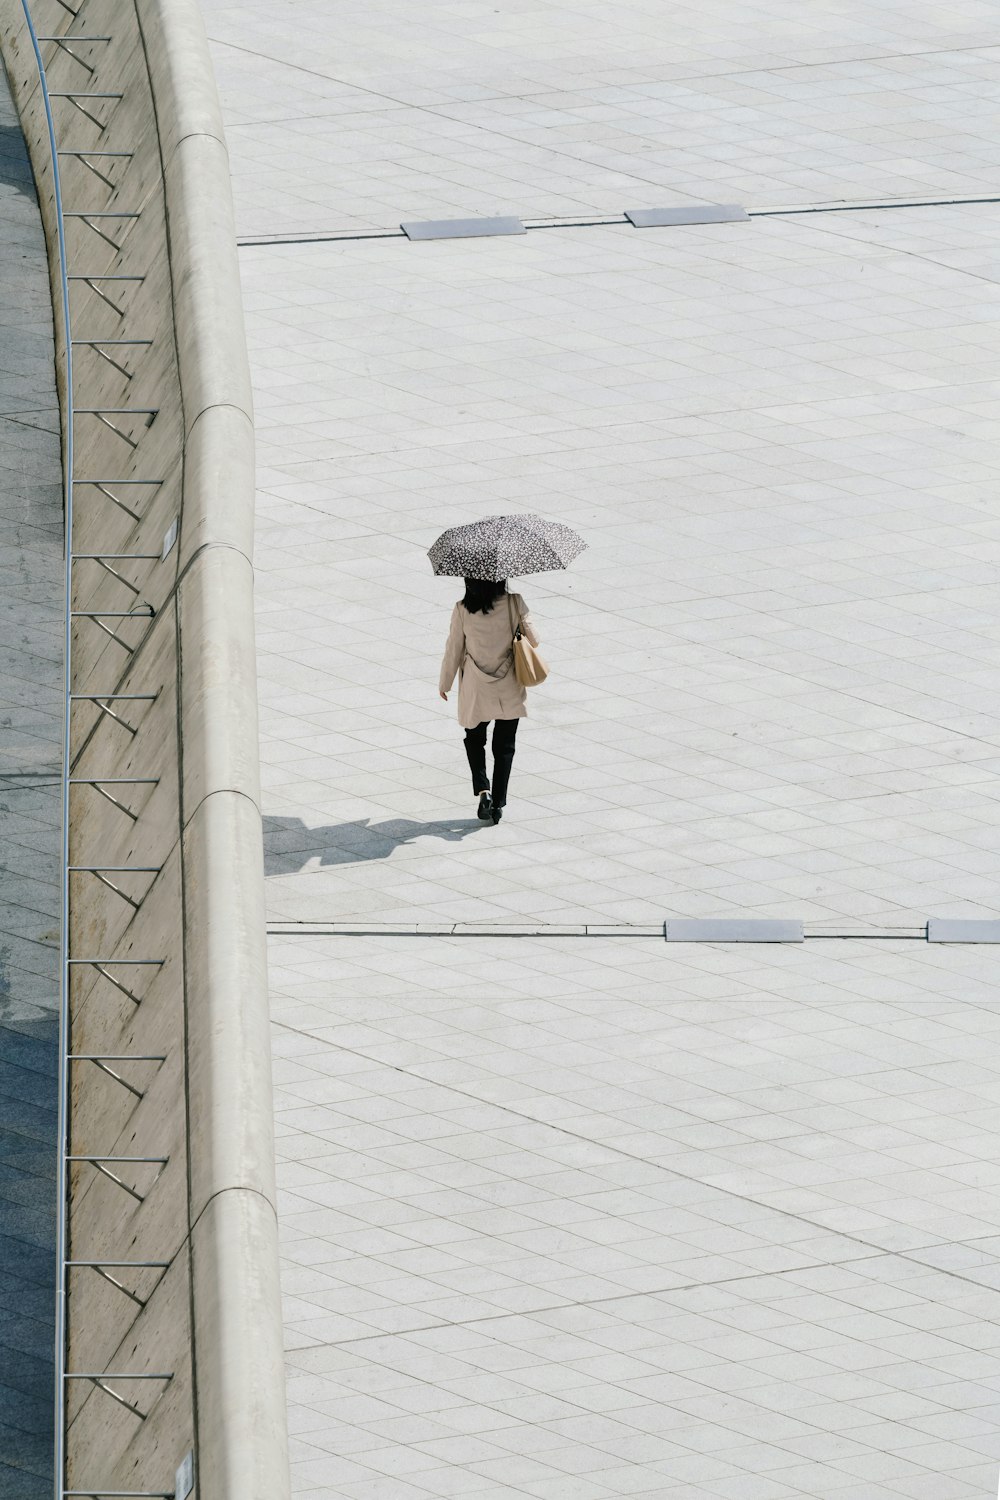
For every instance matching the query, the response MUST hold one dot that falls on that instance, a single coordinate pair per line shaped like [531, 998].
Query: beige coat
[480, 650]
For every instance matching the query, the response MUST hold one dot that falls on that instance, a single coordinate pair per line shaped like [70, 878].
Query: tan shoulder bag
[529, 668]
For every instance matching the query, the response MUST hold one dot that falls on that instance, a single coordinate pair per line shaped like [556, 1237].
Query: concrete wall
[212, 1317]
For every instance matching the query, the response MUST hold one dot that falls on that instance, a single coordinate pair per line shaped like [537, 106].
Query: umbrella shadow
[289, 844]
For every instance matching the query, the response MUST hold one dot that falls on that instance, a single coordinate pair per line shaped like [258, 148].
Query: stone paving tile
[672, 1223]
[773, 673]
[562, 108]
[30, 813]
[587, 1218]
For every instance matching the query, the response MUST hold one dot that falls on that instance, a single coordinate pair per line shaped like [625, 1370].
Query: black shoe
[485, 809]
[496, 814]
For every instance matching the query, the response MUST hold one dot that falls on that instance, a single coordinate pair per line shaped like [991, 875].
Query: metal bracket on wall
[98, 616]
[91, 279]
[101, 1059]
[102, 965]
[96, 1163]
[63, 43]
[102, 485]
[100, 1268]
[88, 215]
[103, 1269]
[99, 872]
[100, 345]
[119, 1494]
[83, 156]
[105, 559]
[74, 96]
[102, 413]
[101, 700]
[99, 783]
[99, 1379]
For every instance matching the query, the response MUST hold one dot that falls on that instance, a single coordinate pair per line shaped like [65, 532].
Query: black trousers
[504, 735]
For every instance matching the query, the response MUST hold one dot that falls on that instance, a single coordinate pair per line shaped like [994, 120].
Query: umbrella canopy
[500, 547]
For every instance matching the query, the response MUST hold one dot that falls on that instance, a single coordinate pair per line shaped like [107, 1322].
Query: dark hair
[482, 593]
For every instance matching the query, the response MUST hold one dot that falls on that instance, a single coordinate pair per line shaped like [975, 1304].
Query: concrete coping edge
[241, 1414]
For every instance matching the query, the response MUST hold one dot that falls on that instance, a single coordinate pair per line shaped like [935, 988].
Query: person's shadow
[289, 844]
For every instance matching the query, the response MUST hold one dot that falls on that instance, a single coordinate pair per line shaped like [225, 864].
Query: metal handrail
[59, 1457]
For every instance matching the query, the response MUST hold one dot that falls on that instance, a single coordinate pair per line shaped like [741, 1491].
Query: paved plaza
[577, 1217]
[564, 1219]
[771, 685]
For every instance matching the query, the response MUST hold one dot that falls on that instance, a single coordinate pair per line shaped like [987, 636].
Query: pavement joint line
[457, 929]
[867, 205]
[654, 932]
[597, 220]
[850, 1237]
[663, 1291]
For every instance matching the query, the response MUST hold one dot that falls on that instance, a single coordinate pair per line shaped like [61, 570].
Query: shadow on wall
[15, 169]
[289, 845]
[28, 1064]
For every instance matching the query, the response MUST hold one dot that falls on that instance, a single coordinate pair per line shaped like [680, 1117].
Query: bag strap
[515, 634]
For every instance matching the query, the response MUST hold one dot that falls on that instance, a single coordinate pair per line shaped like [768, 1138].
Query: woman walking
[480, 649]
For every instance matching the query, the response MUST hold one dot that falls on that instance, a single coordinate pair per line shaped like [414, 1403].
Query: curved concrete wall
[210, 1318]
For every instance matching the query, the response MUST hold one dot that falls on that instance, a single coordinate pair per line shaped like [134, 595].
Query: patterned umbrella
[499, 547]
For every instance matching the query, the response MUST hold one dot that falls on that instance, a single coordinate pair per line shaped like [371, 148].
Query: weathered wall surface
[182, 453]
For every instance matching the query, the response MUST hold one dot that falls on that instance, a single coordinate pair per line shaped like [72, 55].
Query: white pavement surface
[581, 1218]
[772, 671]
[366, 114]
[568, 1219]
